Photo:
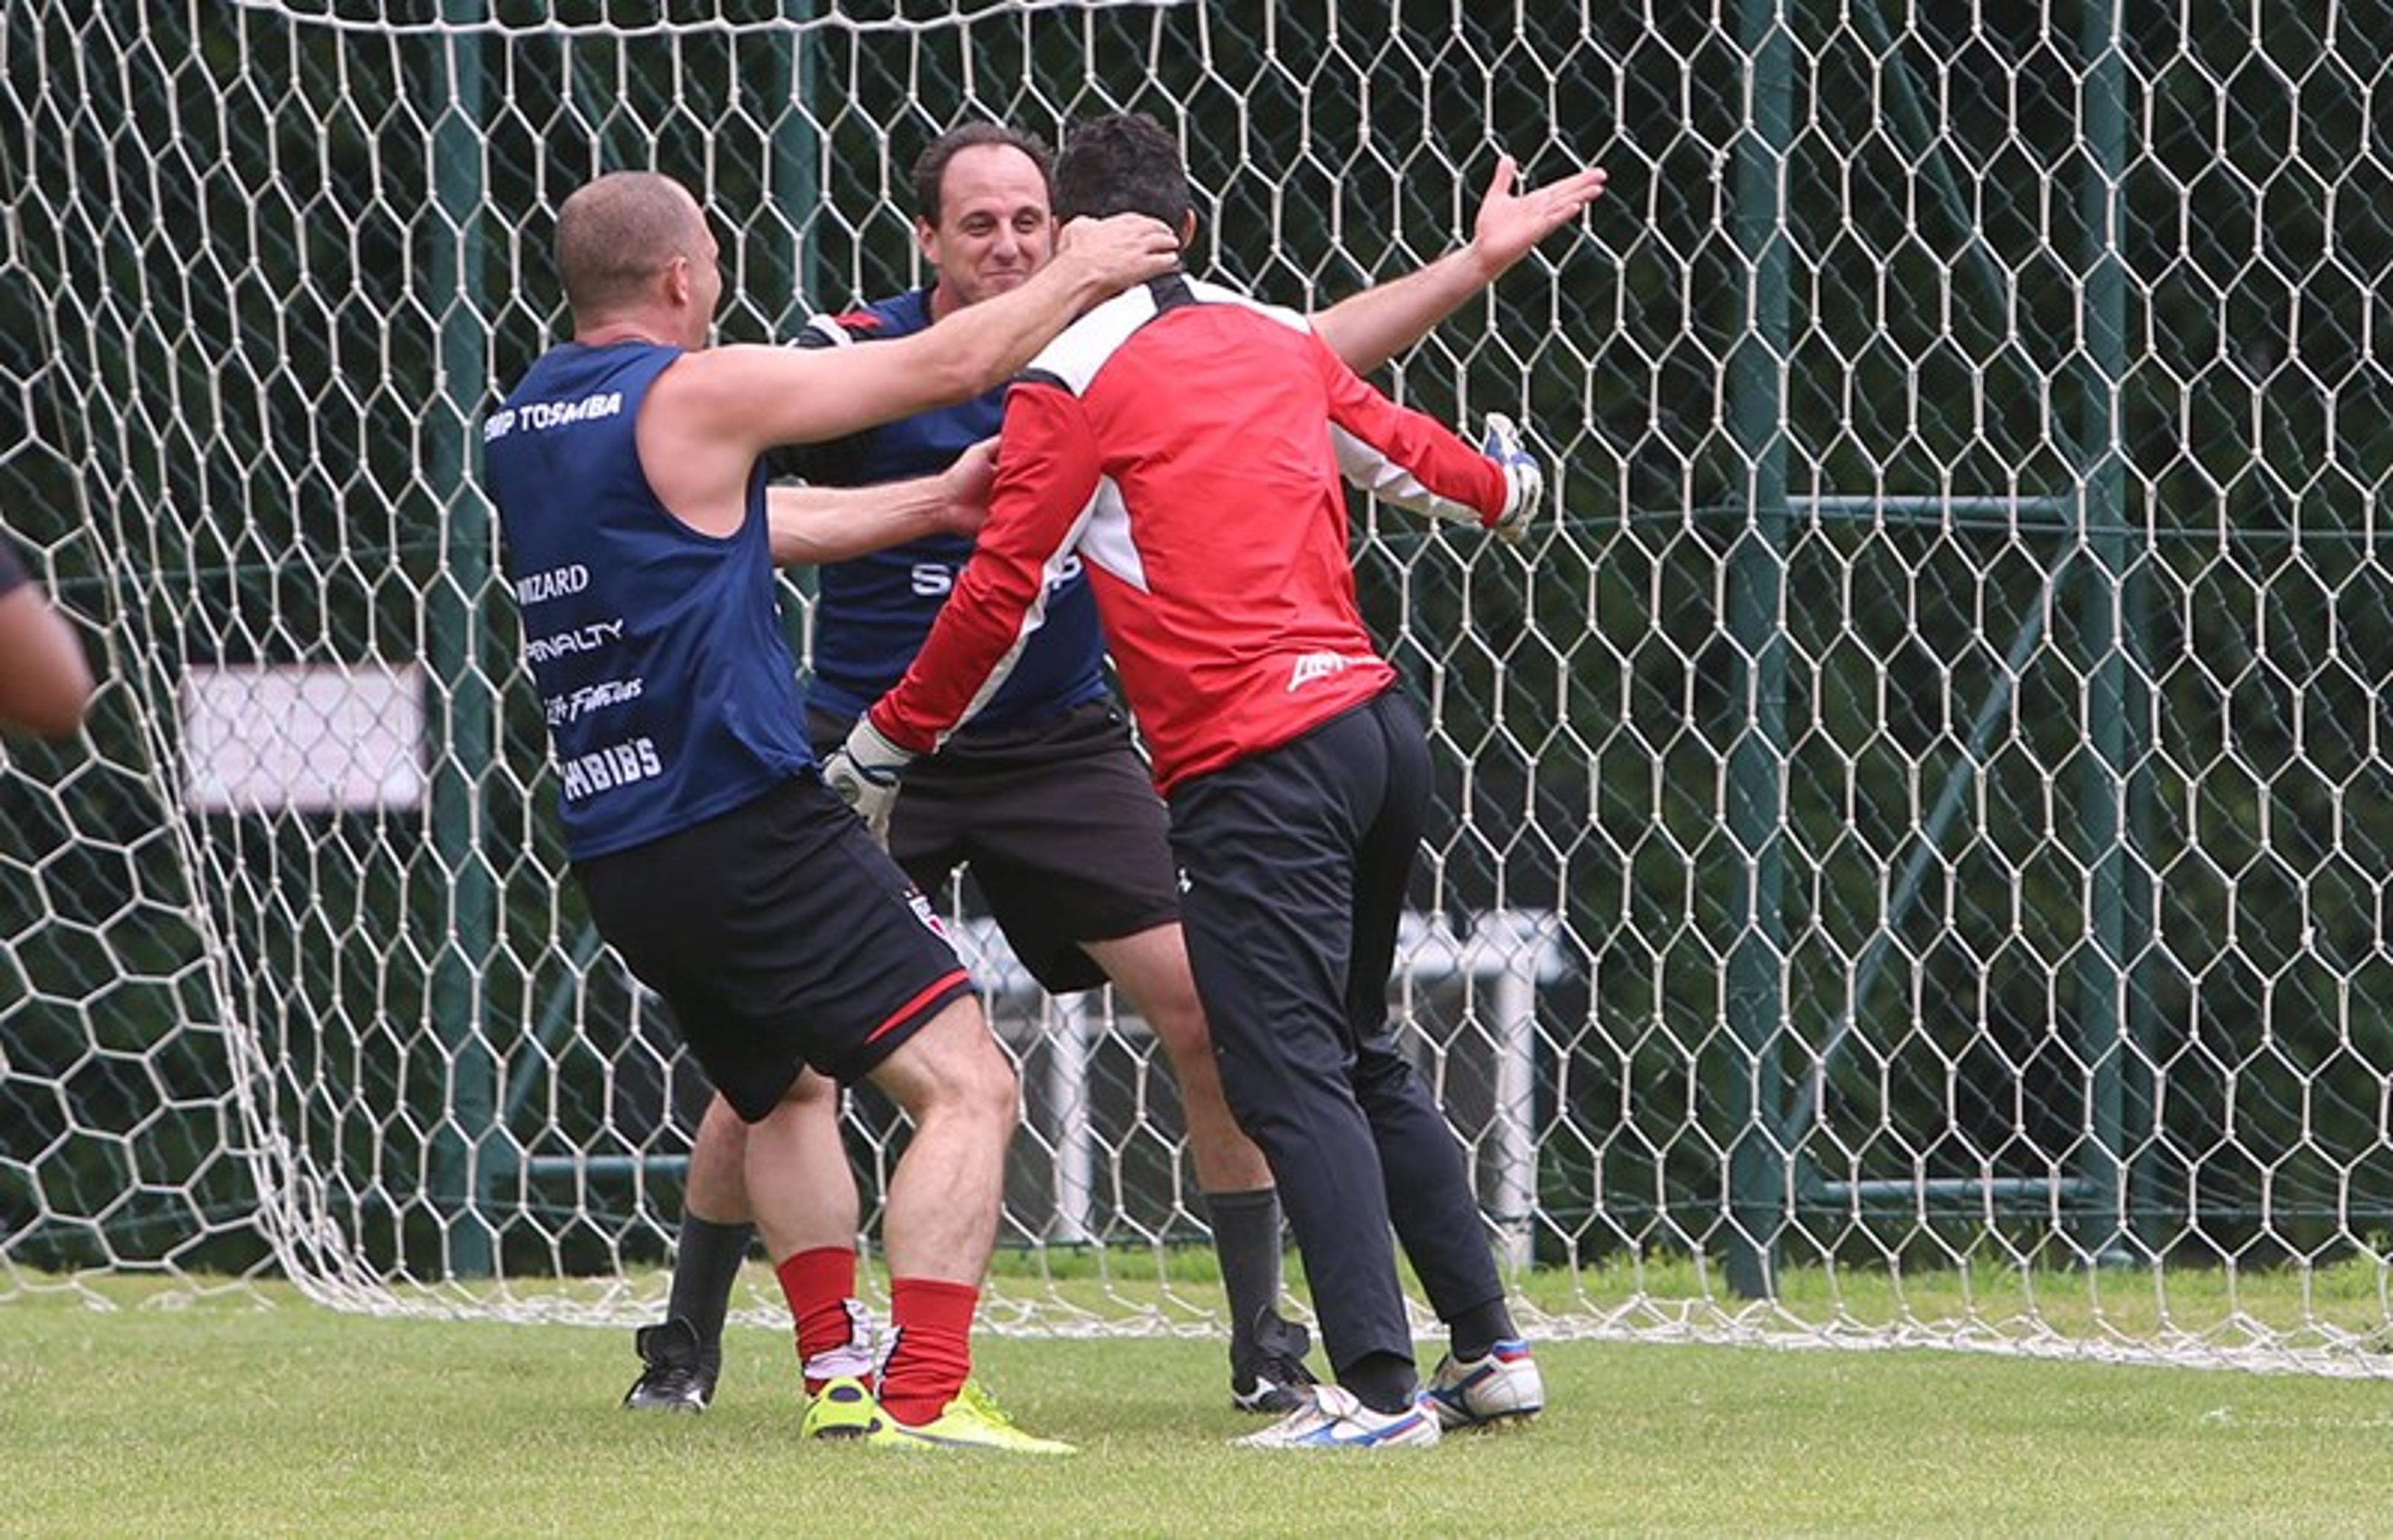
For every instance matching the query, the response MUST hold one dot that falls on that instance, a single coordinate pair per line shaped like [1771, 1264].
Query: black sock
[706, 1261]
[1385, 1382]
[1476, 1332]
[1246, 1237]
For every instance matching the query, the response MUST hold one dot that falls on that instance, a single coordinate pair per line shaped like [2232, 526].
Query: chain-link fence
[1924, 809]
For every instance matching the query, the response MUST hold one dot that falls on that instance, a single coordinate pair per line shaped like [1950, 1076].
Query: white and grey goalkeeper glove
[1525, 479]
[864, 771]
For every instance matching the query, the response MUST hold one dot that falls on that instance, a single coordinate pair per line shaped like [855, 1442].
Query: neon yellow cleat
[971, 1421]
[843, 1409]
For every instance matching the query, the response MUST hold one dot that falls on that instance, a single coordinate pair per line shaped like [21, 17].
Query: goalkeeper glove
[864, 771]
[1524, 481]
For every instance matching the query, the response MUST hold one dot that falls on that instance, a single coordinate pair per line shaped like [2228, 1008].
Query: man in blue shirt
[1044, 798]
[627, 469]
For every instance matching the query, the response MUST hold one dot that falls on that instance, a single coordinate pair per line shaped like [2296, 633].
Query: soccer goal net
[1910, 862]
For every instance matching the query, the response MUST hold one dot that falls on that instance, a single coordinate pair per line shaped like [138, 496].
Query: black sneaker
[1270, 1378]
[678, 1376]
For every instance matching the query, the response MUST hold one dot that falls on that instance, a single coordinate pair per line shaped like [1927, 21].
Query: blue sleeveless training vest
[663, 676]
[872, 611]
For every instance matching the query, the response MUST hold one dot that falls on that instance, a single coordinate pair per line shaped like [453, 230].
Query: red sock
[818, 1283]
[934, 1320]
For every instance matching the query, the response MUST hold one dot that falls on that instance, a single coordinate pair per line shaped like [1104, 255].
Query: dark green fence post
[795, 193]
[461, 719]
[1756, 1001]
[2110, 755]
[793, 190]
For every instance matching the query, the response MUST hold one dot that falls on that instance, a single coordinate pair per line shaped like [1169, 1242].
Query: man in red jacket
[1186, 444]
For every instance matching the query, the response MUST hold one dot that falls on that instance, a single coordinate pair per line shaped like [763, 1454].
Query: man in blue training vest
[794, 954]
[1044, 797]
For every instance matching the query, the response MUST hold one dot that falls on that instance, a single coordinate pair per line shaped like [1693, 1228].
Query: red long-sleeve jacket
[1185, 444]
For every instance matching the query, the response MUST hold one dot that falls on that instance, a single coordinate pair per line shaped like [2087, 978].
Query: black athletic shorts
[779, 935]
[1060, 824]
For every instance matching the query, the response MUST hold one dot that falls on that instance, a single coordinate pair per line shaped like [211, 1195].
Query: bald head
[617, 234]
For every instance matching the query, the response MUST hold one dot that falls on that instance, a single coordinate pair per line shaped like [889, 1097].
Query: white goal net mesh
[1911, 859]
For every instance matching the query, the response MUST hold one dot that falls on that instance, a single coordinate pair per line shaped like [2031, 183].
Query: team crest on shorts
[925, 913]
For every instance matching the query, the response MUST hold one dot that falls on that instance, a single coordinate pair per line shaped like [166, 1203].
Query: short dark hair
[931, 165]
[1124, 162]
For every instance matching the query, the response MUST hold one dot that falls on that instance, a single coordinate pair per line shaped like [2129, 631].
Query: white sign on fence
[302, 738]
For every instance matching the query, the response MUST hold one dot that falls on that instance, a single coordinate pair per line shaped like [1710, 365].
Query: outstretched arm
[1403, 457]
[713, 412]
[812, 526]
[1369, 329]
[747, 398]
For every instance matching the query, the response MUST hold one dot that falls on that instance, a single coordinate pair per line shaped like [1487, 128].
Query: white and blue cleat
[1331, 1418]
[1504, 1387]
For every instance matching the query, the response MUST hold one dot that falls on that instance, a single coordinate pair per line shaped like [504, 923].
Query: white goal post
[1910, 861]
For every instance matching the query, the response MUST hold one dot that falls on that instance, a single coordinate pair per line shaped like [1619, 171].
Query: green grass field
[226, 1417]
